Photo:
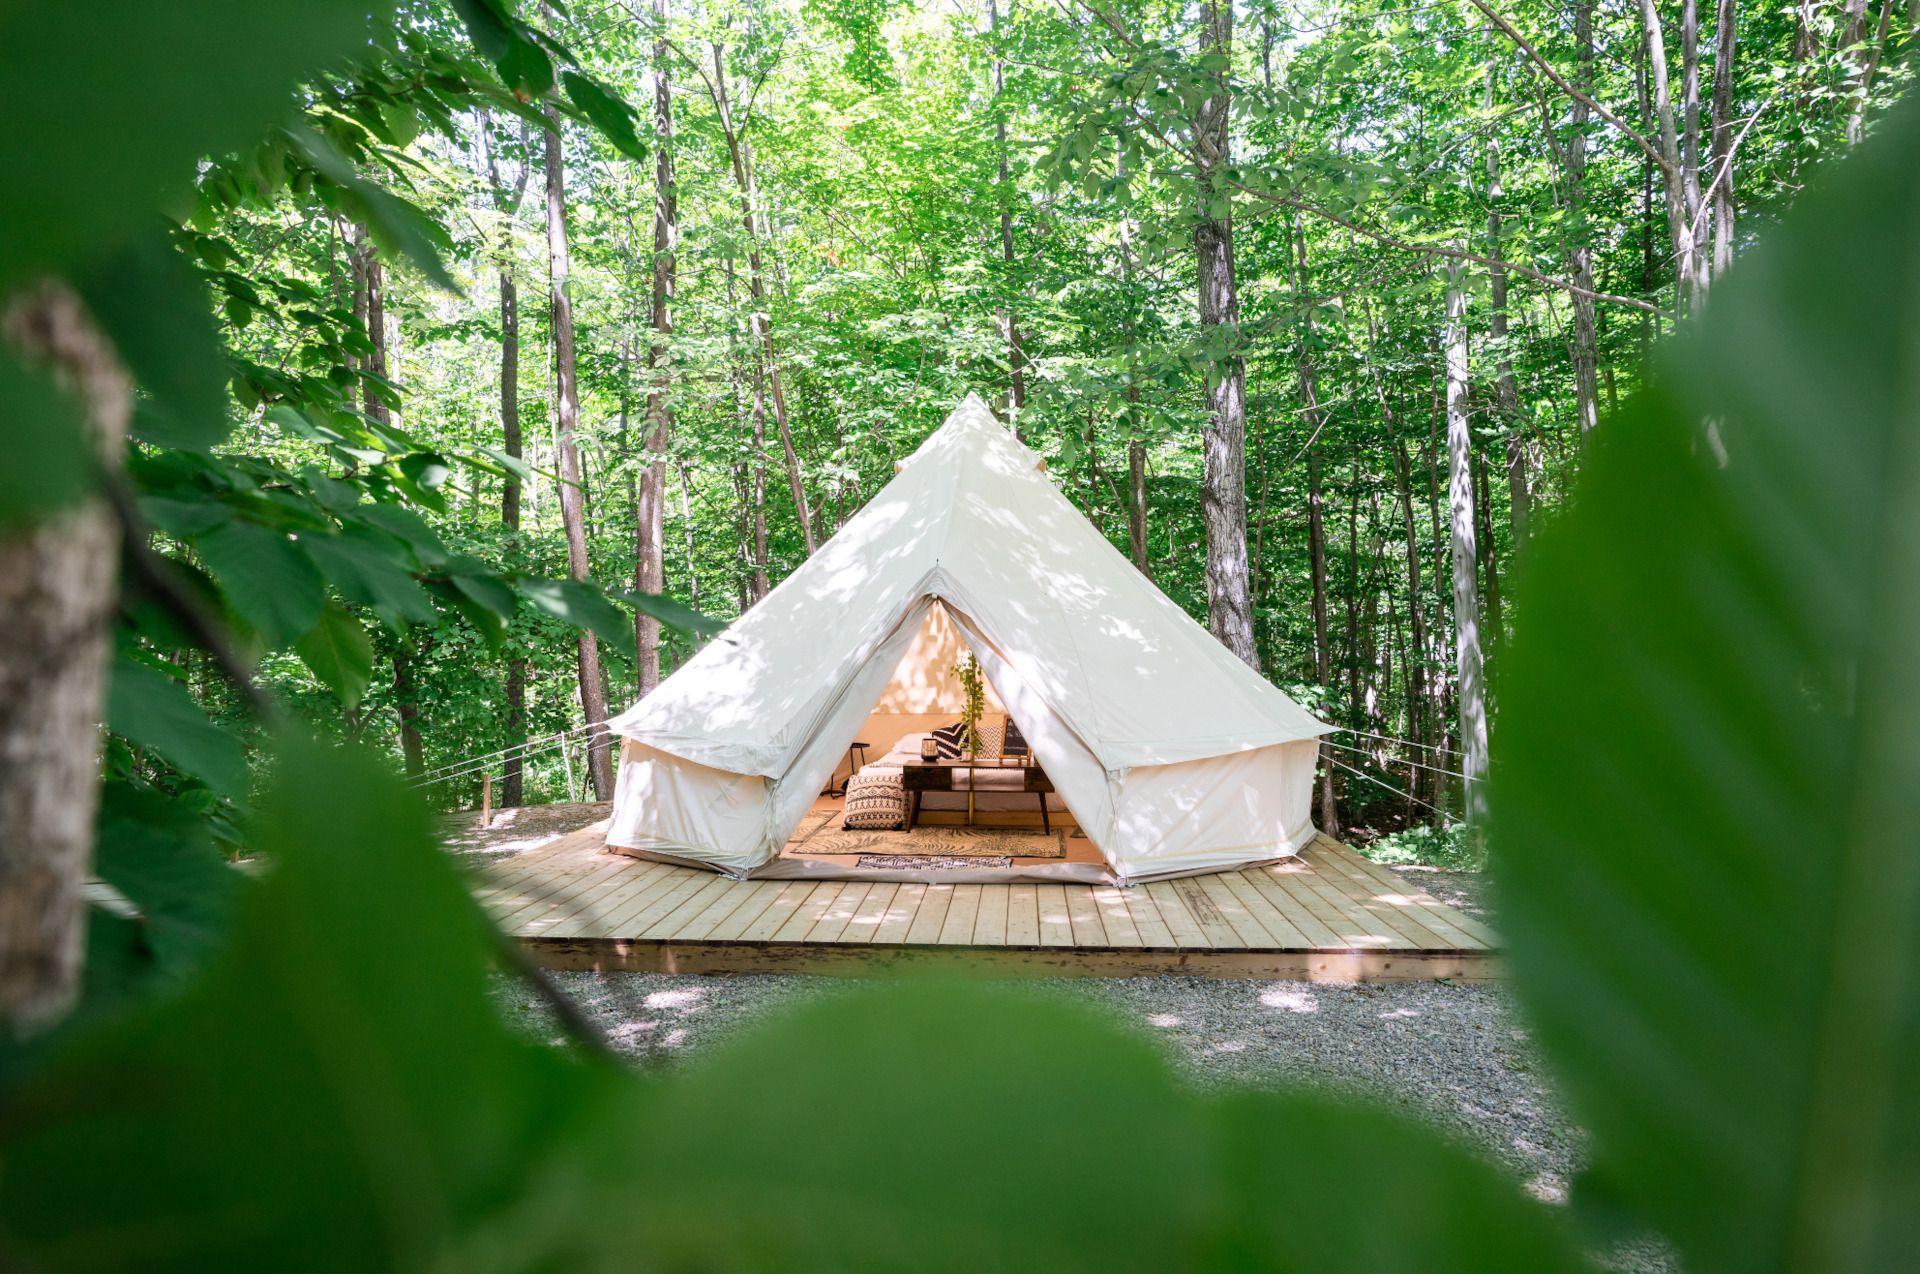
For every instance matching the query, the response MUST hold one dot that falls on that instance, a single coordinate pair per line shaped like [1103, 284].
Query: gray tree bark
[1322, 650]
[1586, 386]
[1009, 320]
[1469, 674]
[1725, 42]
[649, 575]
[1677, 184]
[57, 584]
[593, 695]
[1223, 482]
[506, 200]
[760, 321]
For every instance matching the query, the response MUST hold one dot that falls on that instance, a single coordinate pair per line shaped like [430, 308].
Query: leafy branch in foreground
[411, 1128]
[1706, 819]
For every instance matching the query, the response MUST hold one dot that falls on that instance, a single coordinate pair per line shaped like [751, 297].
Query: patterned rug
[822, 834]
[913, 862]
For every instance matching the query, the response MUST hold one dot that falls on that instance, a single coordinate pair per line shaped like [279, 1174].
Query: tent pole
[566, 759]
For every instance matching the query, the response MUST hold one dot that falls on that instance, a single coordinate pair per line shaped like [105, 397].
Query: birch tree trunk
[760, 321]
[1720, 176]
[1681, 223]
[593, 695]
[1586, 388]
[1009, 321]
[57, 584]
[1223, 493]
[1508, 397]
[1469, 675]
[649, 573]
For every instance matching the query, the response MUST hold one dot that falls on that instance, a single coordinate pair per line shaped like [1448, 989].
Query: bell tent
[1171, 755]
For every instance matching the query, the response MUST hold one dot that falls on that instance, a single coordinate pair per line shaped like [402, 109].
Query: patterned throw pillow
[951, 740]
[1014, 743]
[991, 735]
[875, 801]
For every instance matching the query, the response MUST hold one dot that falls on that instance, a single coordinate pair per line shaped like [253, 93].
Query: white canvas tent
[1171, 754]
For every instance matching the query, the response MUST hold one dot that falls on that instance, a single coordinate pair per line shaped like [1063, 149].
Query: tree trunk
[1322, 653]
[512, 780]
[1866, 62]
[1586, 392]
[1136, 449]
[1137, 502]
[760, 321]
[506, 201]
[593, 695]
[761, 585]
[1725, 39]
[375, 284]
[1489, 555]
[1681, 226]
[1507, 396]
[57, 585]
[649, 573]
[1416, 661]
[1009, 321]
[407, 707]
[1466, 593]
[686, 526]
[1223, 494]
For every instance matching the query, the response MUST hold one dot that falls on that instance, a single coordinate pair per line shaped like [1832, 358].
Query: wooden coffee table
[917, 777]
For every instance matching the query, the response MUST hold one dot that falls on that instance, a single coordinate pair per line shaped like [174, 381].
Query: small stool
[853, 767]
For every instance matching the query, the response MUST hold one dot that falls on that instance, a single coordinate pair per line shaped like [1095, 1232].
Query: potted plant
[973, 687]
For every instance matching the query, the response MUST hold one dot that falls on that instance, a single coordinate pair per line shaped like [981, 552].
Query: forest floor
[1456, 1056]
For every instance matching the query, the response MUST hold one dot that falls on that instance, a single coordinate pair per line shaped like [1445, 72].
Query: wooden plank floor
[1328, 915]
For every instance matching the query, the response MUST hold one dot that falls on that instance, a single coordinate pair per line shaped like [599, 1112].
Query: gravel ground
[1456, 1056]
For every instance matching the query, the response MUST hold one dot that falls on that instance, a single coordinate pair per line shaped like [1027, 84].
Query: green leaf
[157, 853]
[428, 469]
[613, 117]
[1212, 1169]
[492, 629]
[265, 577]
[675, 615]
[155, 711]
[489, 25]
[152, 304]
[526, 68]
[368, 577]
[335, 1092]
[396, 224]
[47, 467]
[1431, 1206]
[340, 653]
[584, 606]
[112, 102]
[181, 518]
[410, 529]
[1709, 789]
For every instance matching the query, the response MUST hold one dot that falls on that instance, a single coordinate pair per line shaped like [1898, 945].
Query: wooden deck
[1329, 915]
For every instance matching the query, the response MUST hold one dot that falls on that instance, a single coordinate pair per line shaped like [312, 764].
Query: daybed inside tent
[1164, 753]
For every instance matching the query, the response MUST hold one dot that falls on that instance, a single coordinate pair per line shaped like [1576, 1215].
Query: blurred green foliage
[1706, 805]
[1703, 819]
